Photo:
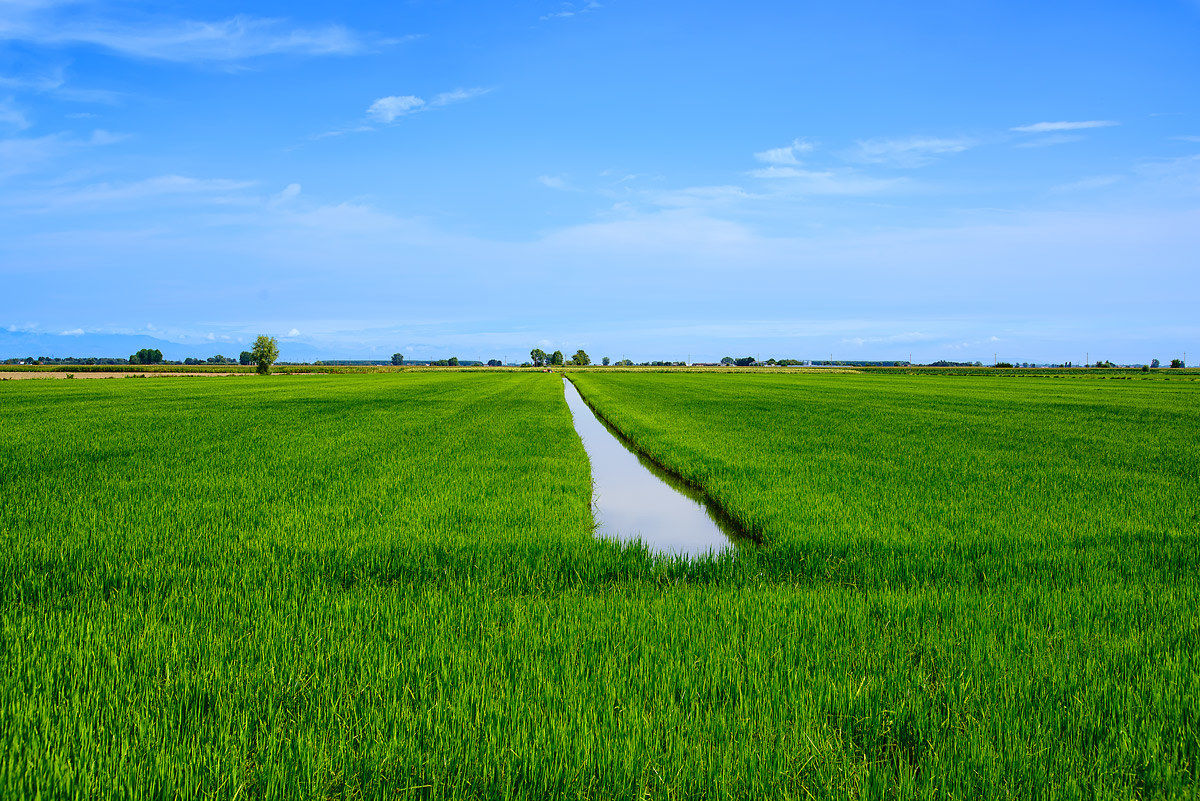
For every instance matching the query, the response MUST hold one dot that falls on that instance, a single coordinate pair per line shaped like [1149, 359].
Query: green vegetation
[147, 356]
[385, 585]
[1050, 531]
[264, 353]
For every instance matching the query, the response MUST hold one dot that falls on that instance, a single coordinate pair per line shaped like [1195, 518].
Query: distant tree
[537, 356]
[1002, 364]
[452, 361]
[770, 361]
[745, 361]
[264, 353]
[1177, 363]
[580, 358]
[246, 358]
[1155, 363]
[727, 361]
[604, 361]
[192, 360]
[556, 357]
[397, 358]
[495, 363]
[625, 363]
[147, 356]
[1145, 368]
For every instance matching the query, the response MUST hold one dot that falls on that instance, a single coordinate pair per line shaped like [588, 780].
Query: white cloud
[237, 38]
[785, 155]
[827, 182]
[1087, 184]
[1048, 127]
[74, 332]
[552, 182]
[12, 116]
[1174, 174]
[1049, 141]
[907, 337]
[457, 96]
[389, 109]
[157, 187]
[571, 10]
[27, 154]
[55, 83]
[914, 151]
[295, 332]
[289, 192]
[702, 196]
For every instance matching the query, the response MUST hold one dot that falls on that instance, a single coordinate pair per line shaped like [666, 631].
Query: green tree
[147, 356]
[246, 358]
[264, 353]
[397, 358]
[727, 361]
[452, 361]
[1154, 362]
[580, 358]
[556, 357]
[604, 361]
[1177, 363]
[537, 356]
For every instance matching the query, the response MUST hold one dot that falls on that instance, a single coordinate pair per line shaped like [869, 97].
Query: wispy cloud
[11, 116]
[288, 194]
[913, 151]
[157, 187]
[906, 337]
[826, 182]
[234, 39]
[553, 182]
[1048, 127]
[785, 155]
[54, 83]
[1088, 184]
[1049, 141]
[567, 10]
[389, 109]
[708, 197]
[27, 154]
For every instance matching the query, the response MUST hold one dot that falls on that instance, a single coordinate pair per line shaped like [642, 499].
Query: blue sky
[653, 180]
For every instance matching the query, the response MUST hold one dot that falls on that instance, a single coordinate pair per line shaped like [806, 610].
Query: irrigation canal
[634, 498]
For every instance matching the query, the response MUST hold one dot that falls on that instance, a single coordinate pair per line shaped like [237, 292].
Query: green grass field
[386, 586]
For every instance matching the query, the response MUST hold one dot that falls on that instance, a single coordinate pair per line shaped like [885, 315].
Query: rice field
[381, 585]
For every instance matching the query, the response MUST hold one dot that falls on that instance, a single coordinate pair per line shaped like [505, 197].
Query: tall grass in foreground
[385, 586]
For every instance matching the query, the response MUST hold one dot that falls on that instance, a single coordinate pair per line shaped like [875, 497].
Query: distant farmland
[370, 585]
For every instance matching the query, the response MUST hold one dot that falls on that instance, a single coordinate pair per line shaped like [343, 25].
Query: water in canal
[634, 498]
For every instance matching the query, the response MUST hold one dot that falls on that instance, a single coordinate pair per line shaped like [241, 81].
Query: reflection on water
[633, 498]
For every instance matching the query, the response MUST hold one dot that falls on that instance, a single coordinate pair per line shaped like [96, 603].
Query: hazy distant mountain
[21, 344]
